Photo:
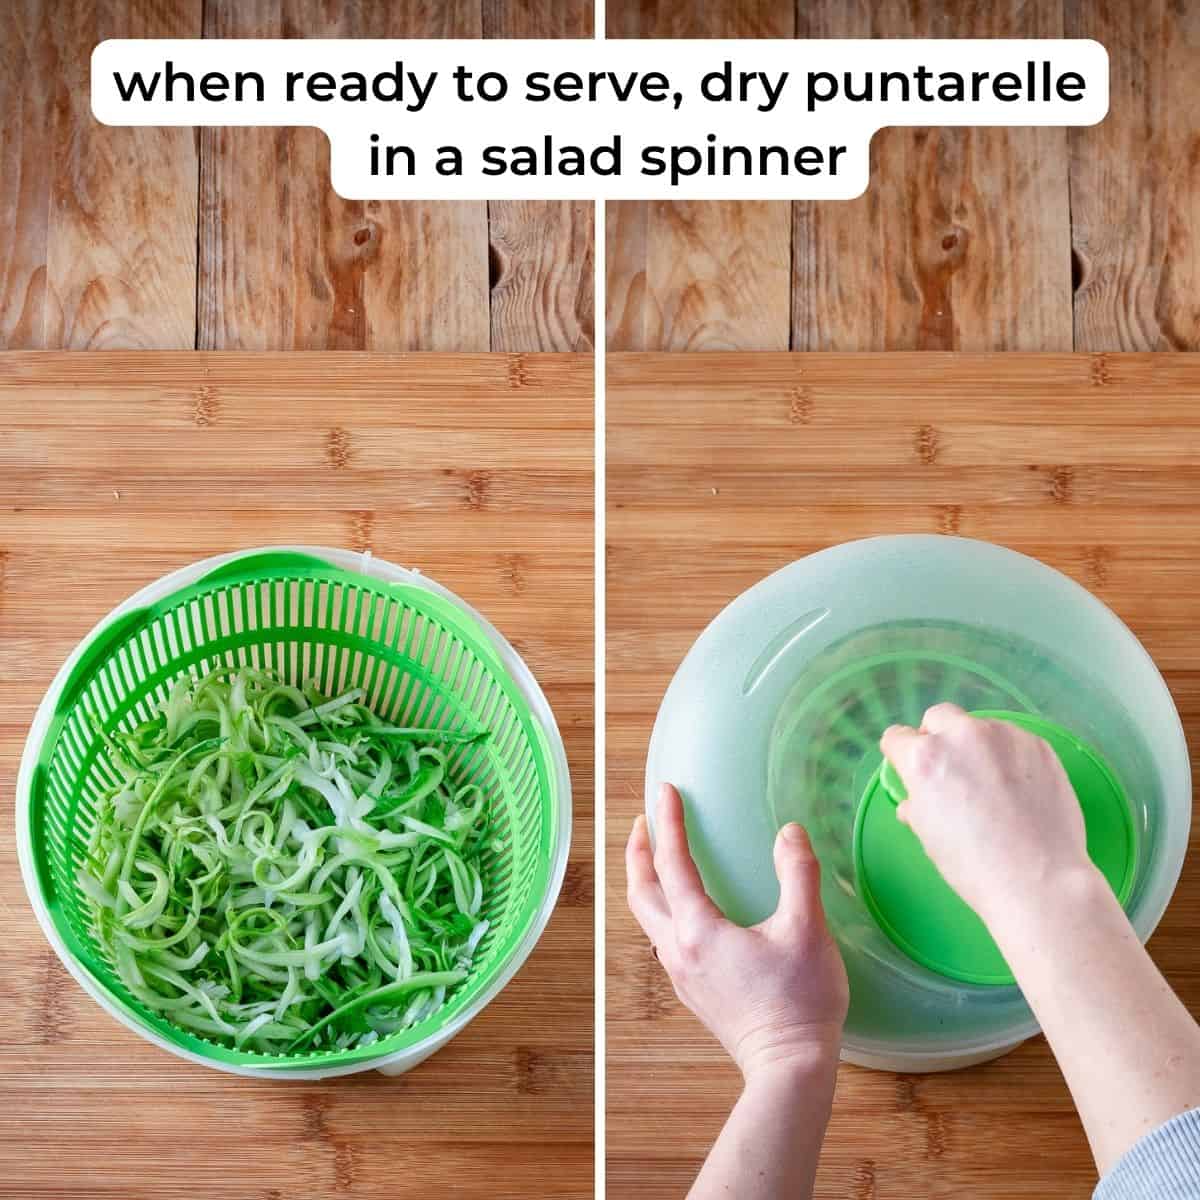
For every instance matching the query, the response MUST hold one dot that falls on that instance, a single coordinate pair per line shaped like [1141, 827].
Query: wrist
[1074, 895]
[800, 1087]
[794, 1065]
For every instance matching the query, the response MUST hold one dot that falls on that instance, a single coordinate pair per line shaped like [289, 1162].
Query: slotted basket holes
[424, 676]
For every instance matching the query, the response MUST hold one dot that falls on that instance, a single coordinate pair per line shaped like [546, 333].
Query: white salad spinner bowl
[775, 715]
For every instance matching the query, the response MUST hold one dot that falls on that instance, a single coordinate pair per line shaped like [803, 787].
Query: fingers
[899, 744]
[639, 859]
[799, 875]
[943, 717]
[673, 861]
[643, 891]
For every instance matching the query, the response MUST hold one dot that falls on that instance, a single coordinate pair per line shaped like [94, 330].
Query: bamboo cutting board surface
[722, 468]
[115, 468]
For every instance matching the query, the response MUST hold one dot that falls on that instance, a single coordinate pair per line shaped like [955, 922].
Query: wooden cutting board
[723, 467]
[115, 468]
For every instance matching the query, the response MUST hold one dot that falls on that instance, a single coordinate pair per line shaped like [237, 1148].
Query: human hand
[775, 995]
[991, 805]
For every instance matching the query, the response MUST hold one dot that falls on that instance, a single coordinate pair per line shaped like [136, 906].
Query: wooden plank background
[723, 468]
[967, 239]
[116, 468]
[233, 239]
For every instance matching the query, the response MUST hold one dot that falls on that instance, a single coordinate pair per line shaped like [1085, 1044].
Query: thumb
[799, 875]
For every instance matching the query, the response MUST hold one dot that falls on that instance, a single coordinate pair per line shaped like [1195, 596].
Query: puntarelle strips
[1037, 81]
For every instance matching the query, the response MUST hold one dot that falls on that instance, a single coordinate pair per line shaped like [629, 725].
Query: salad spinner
[339, 620]
[775, 715]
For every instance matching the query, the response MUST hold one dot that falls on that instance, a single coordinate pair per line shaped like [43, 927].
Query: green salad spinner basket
[339, 620]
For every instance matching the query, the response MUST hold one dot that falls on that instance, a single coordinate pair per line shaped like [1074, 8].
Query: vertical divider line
[196, 290]
[599, 526]
[485, 30]
[1069, 29]
[199, 134]
[792, 293]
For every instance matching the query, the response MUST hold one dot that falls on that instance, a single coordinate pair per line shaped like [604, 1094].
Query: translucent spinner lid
[915, 906]
[772, 718]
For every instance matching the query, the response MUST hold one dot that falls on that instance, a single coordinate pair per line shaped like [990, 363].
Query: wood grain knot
[531, 1071]
[1079, 271]
[47, 1018]
[364, 235]
[1062, 484]
[497, 265]
[949, 518]
[518, 371]
[337, 448]
[801, 406]
[578, 886]
[906, 1093]
[314, 1105]
[315, 1127]
[1100, 370]
[515, 567]
[928, 444]
[207, 407]
[562, 1073]
[478, 485]
[343, 1167]
[1097, 560]
[362, 530]
[935, 1135]
[863, 1184]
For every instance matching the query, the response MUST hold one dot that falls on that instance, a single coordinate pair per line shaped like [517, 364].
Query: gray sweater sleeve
[1164, 1165]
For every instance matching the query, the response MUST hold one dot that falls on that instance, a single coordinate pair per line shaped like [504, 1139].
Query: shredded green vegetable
[281, 871]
